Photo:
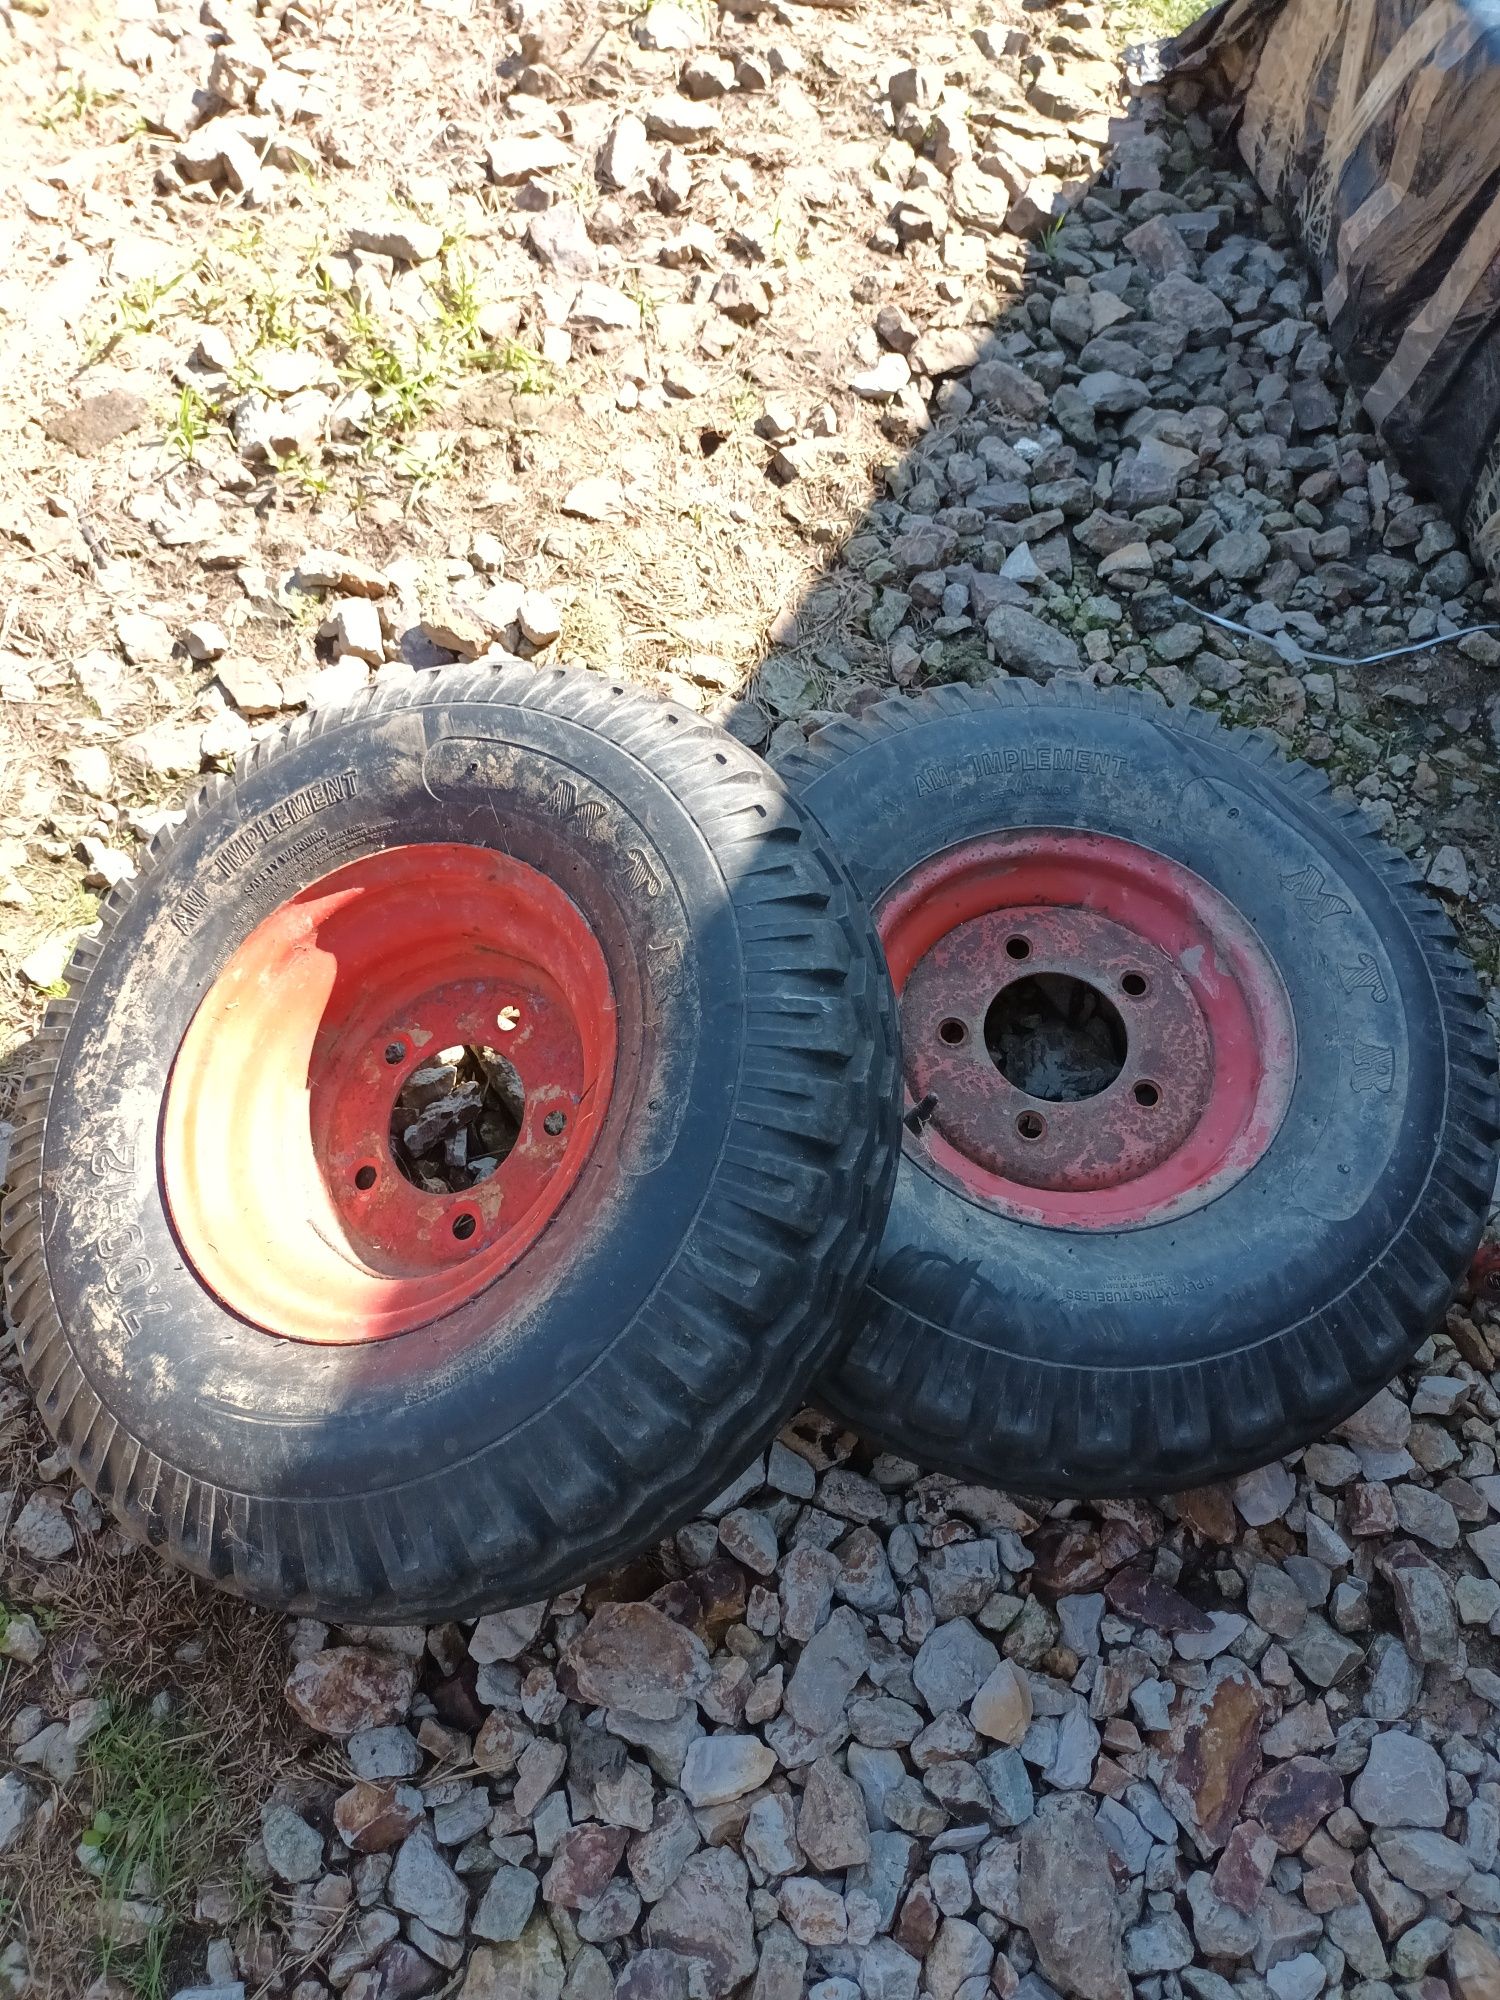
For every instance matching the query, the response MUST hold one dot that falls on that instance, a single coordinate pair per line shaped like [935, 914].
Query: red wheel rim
[1209, 1054]
[276, 1161]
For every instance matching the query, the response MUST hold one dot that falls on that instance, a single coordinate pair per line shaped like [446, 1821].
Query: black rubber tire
[1069, 1362]
[663, 1325]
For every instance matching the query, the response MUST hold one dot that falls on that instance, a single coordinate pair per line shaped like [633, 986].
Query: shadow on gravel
[1159, 416]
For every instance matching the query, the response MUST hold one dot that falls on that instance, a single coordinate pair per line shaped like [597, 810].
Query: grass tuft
[157, 1808]
[1151, 20]
[189, 426]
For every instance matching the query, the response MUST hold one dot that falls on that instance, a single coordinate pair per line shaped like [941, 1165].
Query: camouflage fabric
[1376, 125]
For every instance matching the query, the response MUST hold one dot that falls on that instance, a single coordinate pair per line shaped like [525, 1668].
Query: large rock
[1425, 1861]
[424, 1886]
[529, 1969]
[1240, 555]
[348, 1688]
[1322, 1655]
[1214, 1753]
[505, 1635]
[1473, 1968]
[822, 1681]
[654, 1975]
[372, 1817]
[559, 238]
[832, 1826]
[770, 1837]
[655, 1857]
[1150, 477]
[718, 1769]
[506, 1905]
[1403, 1783]
[980, 201]
[783, 1966]
[97, 421]
[403, 237]
[293, 1848]
[952, 1665]
[1293, 1799]
[1424, 1604]
[1111, 394]
[634, 1657]
[1068, 1903]
[42, 1529]
[1009, 391]
[586, 1858]
[1001, 1709]
[1028, 645]
[960, 1953]
[526, 157]
[17, 1803]
[706, 1915]
[1180, 300]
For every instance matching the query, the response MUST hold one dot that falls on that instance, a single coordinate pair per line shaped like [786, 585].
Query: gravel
[859, 1731]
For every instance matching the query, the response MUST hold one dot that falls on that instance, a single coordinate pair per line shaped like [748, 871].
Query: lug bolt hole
[954, 1033]
[554, 1122]
[394, 1051]
[464, 1227]
[1134, 983]
[365, 1178]
[1146, 1094]
[1018, 947]
[1031, 1125]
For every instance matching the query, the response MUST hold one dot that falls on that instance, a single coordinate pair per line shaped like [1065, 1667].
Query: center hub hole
[456, 1118]
[1055, 1037]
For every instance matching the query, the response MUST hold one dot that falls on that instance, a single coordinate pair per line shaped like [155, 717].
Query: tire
[1065, 1342]
[650, 1334]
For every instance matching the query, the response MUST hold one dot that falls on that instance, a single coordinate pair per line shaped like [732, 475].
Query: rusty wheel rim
[1191, 1053]
[284, 1187]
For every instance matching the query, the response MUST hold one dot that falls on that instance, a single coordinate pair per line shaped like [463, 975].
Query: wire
[1330, 659]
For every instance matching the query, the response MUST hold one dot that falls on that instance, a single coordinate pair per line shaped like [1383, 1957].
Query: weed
[156, 1806]
[136, 310]
[405, 378]
[189, 425]
[510, 357]
[1150, 19]
[643, 302]
[139, 301]
[408, 372]
[74, 102]
[78, 909]
[423, 465]
[252, 1897]
[272, 316]
[783, 240]
[308, 478]
[1049, 243]
[458, 300]
[43, 1616]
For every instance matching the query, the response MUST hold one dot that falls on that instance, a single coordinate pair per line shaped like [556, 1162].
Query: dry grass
[168, 1789]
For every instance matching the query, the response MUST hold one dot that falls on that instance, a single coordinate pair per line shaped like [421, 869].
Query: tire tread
[590, 1499]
